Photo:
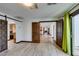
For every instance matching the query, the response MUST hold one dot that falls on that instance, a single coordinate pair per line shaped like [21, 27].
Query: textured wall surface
[3, 35]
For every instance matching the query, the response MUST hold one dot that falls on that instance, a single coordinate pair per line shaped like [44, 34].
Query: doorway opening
[11, 33]
[47, 32]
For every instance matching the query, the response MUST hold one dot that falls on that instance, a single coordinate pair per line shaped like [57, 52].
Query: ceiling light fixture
[31, 5]
[28, 4]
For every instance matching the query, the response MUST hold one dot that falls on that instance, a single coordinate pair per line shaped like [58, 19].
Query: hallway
[46, 39]
[47, 48]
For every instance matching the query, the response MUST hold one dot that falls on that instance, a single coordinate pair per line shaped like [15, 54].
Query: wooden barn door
[59, 32]
[36, 32]
[3, 35]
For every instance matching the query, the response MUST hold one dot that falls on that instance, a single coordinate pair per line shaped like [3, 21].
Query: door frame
[56, 26]
[14, 36]
[44, 22]
[57, 31]
[49, 22]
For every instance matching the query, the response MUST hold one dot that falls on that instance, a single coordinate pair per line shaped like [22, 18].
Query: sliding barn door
[36, 32]
[3, 35]
[59, 32]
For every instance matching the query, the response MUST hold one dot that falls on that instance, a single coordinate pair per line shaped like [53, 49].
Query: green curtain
[66, 43]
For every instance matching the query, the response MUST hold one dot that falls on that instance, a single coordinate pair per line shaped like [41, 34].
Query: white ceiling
[43, 11]
[46, 24]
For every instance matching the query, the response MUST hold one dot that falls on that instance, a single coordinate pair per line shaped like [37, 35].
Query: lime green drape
[66, 43]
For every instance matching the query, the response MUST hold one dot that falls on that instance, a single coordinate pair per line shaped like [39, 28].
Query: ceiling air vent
[51, 3]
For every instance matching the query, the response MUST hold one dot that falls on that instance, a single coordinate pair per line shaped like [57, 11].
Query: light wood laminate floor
[33, 49]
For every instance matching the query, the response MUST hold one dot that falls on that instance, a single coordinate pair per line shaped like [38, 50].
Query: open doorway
[11, 33]
[47, 32]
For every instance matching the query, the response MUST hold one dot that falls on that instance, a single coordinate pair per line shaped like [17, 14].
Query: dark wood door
[3, 35]
[59, 32]
[36, 32]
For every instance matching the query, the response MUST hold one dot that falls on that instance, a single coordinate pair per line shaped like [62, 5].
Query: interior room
[11, 32]
[39, 29]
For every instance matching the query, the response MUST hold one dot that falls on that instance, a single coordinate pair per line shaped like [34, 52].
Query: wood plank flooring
[33, 49]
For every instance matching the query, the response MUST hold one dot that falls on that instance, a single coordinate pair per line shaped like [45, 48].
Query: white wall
[19, 30]
[28, 27]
